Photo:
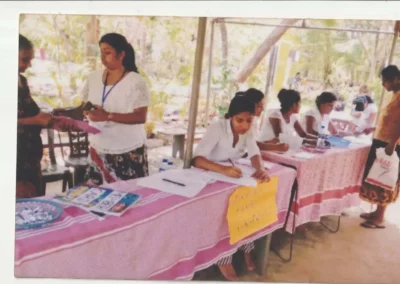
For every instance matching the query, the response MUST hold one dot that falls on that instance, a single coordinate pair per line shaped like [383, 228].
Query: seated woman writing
[283, 122]
[226, 140]
[257, 97]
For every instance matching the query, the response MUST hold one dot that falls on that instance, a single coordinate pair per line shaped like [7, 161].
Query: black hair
[369, 99]
[119, 43]
[288, 98]
[360, 99]
[240, 103]
[254, 95]
[24, 43]
[390, 73]
[359, 106]
[325, 98]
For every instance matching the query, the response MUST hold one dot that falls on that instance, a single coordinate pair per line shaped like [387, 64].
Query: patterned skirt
[372, 193]
[108, 168]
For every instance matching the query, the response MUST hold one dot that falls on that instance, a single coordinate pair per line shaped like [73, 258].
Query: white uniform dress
[217, 145]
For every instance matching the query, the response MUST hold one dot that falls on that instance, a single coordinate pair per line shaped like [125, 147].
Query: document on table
[183, 182]
[245, 180]
[304, 155]
[247, 162]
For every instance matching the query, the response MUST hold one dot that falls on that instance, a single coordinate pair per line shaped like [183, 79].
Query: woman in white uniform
[226, 140]
[257, 97]
[325, 103]
[282, 122]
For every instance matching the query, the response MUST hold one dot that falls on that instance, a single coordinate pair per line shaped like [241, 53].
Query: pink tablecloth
[163, 237]
[327, 183]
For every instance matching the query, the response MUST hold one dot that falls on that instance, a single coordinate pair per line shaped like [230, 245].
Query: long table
[163, 237]
[326, 184]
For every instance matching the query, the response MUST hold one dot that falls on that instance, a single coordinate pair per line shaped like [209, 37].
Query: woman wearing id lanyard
[121, 97]
[225, 140]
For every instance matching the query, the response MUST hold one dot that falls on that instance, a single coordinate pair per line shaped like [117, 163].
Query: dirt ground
[352, 255]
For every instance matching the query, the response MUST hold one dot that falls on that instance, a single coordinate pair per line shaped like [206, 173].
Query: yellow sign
[251, 209]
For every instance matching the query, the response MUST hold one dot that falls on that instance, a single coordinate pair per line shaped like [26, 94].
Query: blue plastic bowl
[46, 213]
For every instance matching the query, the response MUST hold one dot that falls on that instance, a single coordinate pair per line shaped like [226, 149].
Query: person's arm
[205, 164]
[371, 119]
[255, 158]
[138, 100]
[138, 116]
[41, 119]
[260, 172]
[300, 131]
[310, 120]
[276, 126]
[281, 147]
[332, 129]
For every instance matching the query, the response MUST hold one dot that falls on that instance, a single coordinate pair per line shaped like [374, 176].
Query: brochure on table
[99, 199]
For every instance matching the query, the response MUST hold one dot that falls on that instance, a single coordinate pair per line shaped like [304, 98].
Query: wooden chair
[55, 172]
[78, 144]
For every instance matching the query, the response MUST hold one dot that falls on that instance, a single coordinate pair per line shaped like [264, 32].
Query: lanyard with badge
[105, 95]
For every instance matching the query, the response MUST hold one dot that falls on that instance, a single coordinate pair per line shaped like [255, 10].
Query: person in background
[363, 115]
[283, 120]
[121, 97]
[370, 111]
[30, 123]
[229, 139]
[325, 103]
[387, 136]
[257, 97]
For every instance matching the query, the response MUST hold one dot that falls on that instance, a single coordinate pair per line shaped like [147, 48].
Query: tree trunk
[262, 50]
[92, 36]
[224, 41]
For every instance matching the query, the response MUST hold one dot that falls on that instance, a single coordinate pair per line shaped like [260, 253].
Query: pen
[174, 182]
[231, 162]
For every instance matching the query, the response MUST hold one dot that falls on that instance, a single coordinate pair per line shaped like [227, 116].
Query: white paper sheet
[304, 155]
[245, 180]
[247, 162]
[193, 181]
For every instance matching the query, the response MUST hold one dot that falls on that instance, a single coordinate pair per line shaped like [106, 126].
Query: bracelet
[110, 117]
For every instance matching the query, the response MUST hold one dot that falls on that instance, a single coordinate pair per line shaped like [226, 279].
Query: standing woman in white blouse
[226, 140]
[121, 98]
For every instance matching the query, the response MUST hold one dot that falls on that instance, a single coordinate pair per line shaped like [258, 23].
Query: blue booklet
[99, 200]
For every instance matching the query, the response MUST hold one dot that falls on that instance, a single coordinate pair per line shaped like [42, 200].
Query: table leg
[293, 200]
[262, 254]
[330, 229]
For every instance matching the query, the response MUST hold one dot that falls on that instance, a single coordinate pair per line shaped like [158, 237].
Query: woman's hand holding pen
[232, 171]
